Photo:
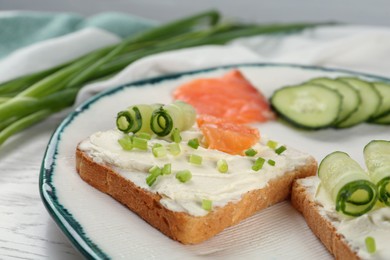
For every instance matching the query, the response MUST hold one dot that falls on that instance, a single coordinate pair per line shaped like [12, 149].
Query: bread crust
[304, 202]
[181, 226]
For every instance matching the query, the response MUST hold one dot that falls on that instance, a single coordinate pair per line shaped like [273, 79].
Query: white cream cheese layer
[375, 223]
[206, 182]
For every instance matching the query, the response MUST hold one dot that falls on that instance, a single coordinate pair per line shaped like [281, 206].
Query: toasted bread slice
[181, 226]
[302, 198]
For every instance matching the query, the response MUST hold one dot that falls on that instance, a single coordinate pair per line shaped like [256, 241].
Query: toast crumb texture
[181, 226]
[303, 201]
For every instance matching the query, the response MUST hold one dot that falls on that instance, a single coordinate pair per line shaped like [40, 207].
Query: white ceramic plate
[101, 228]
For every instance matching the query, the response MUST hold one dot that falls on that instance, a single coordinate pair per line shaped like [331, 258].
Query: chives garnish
[174, 149]
[258, 164]
[151, 179]
[195, 159]
[183, 176]
[281, 149]
[126, 143]
[207, 204]
[271, 162]
[155, 171]
[145, 136]
[166, 169]
[159, 151]
[250, 152]
[194, 143]
[222, 166]
[272, 144]
[176, 137]
[370, 245]
[140, 143]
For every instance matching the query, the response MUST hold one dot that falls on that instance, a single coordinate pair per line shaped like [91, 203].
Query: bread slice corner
[302, 199]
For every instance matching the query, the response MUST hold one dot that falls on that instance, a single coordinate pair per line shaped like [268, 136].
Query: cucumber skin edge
[296, 124]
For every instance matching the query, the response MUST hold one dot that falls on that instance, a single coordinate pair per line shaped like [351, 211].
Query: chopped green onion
[166, 169]
[174, 149]
[370, 245]
[258, 164]
[155, 170]
[281, 149]
[207, 204]
[126, 142]
[271, 162]
[151, 179]
[158, 150]
[222, 166]
[194, 143]
[176, 137]
[272, 144]
[195, 159]
[145, 136]
[183, 176]
[250, 152]
[140, 143]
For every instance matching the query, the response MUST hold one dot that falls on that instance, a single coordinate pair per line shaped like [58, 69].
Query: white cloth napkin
[359, 48]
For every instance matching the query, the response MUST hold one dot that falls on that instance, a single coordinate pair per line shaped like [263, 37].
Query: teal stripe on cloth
[20, 29]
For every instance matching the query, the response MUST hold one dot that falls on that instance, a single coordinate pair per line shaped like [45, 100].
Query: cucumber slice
[383, 120]
[384, 92]
[347, 184]
[308, 106]
[371, 100]
[351, 98]
[146, 113]
[377, 158]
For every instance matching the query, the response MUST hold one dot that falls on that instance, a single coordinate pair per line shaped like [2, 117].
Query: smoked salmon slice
[231, 97]
[225, 136]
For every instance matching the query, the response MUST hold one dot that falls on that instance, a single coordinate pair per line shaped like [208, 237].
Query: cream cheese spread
[206, 182]
[375, 223]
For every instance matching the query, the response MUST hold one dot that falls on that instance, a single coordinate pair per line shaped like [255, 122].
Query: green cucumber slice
[308, 106]
[371, 100]
[351, 98]
[377, 158]
[383, 120]
[384, 92]
[347, 184]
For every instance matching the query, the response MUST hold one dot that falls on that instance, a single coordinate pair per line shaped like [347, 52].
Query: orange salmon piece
[226, 136]
[231, 97]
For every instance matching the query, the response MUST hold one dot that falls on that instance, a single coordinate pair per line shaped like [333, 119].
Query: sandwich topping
[198, 178]
[374, 224]
[356, 200]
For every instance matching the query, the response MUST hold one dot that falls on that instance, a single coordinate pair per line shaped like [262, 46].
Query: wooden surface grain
[27, 231]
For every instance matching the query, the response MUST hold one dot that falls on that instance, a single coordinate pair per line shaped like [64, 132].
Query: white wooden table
[26, 229]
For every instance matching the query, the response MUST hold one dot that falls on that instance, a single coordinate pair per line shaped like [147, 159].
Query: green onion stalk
[31, 98]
